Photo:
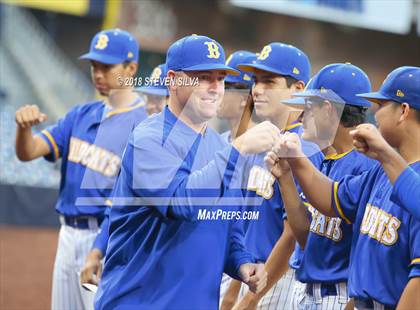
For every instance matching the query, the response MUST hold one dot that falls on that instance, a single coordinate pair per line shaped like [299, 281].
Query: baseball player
[90, 140]
[162, 252]
[385, 254]
[237, 91]
[331, 101]
[156, 93]
[156, 90]
[406, 190]
[279, 71]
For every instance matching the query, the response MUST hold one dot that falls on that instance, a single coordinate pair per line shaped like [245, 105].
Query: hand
[28, 116]
[260, 138]
[253, 275]
[288, 146]
[248, 302]
[368, 140]
[277, 166]
[92, 270]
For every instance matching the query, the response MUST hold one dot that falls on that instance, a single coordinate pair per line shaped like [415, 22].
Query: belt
[81, 222]
[364, 304]
[326, 289]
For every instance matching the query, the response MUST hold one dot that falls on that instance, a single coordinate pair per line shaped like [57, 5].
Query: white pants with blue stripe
[316, 302]
[73, 247]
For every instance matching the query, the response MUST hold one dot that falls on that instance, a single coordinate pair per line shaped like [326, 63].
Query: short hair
[352, 115]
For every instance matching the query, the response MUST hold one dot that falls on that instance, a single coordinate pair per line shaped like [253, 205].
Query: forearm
[410, 299]
[231, 295]
[277, 263]
[28, 146]
[296, 212]
[101, 242]
[316, 186]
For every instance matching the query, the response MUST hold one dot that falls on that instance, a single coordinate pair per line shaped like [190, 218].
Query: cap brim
[295, 101]
[320, 93]
[212, 67]
[376, 97]
[157, 91]
[254, 68]
[109, 60]
[237, 79]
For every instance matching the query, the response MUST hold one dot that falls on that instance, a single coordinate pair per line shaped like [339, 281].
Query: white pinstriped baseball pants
[317, 302]
[73, 247]
[280, 296]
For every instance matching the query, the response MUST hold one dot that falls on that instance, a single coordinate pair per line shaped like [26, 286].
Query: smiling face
[199, 102]
[110, 77]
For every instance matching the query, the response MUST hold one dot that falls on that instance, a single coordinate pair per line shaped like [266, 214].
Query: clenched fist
[29, 116]
[260, 138]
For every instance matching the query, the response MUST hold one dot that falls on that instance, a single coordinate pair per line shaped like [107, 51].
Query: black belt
[368, 304]
[82, 222]
[326, 289]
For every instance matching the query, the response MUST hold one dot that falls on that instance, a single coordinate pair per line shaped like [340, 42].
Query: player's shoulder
[150, 129]
[85, 108]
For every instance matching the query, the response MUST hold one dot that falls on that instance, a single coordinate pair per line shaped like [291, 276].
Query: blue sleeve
[101, 241]
[158, 178]
[406, 192]
[414, 247]
[350, 193]
[58, 135]
[237, 252]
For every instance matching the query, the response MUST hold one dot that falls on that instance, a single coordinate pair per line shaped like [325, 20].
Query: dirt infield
[26, 264]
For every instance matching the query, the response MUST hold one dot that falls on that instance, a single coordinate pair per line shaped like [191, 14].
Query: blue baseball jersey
[386, 250]
[90, 140]
[406, 192]
[262, 235]
[327, 251]
[161, 254]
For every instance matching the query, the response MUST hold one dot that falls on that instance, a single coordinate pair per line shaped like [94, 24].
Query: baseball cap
[339, 82]
[402, 85]
[235, 59]
[157, 85]
[281, 59]
[300, 100]
[113, 46]
[197, 53]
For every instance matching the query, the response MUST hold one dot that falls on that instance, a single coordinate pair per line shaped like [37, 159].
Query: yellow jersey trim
[337, 204]
[123, 110]
[337, 156]
[415, 261]
[292, 126]
[53, 143]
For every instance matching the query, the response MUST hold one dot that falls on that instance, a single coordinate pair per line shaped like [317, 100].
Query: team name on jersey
[325, 226]
[261, 181]
[380, 225]
[94, 157]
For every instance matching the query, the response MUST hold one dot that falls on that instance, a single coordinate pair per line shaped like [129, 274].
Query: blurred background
[40, 41]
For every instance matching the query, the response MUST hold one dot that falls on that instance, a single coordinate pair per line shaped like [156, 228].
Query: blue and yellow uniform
[326, 257]
[386, 253]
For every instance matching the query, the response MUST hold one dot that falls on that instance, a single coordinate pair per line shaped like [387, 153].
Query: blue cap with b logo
[340, 83]
[237, 58]
[402, 85]
[281, 59]
[112, 47]
[197, 53]
[157, 83]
